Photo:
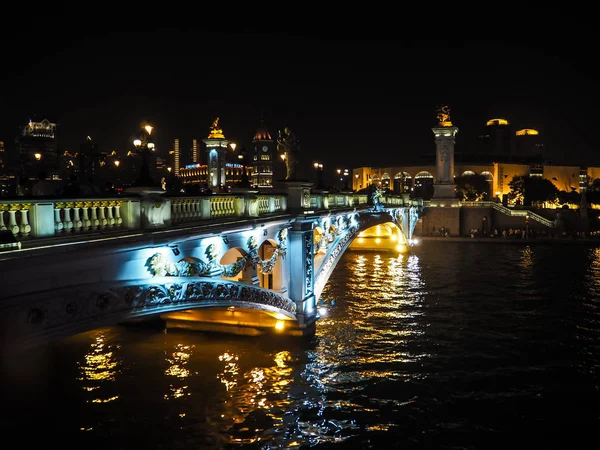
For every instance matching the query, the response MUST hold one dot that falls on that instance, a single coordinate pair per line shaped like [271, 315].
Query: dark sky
[351, 101]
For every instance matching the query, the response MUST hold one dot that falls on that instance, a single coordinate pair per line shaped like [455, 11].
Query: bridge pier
[302, 268]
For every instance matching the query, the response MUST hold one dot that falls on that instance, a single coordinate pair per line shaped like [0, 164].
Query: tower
[195, 154]
[216, 151]
[263, 150]
[444, 187]
[37, 148]
[176, 156]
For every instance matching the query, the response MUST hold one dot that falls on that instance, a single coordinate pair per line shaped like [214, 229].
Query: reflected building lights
[101, 365]
[179, 359]
[230, 371]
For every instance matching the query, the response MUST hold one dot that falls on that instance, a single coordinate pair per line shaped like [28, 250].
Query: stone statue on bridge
[288, 146]
[376, 198]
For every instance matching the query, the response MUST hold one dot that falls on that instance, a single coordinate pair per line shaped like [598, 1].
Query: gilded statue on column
[443, 115]
[215, 131]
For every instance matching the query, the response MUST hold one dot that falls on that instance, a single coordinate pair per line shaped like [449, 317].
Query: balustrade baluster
[188, 213]
[118, 218]
[3, 209]
[12, 220]
[25, 227]
[86, 218]
[58, 223]
[68, 222]
[175, 210]
[77, 222]
[101, 215]
[110, 219]
[94, 219]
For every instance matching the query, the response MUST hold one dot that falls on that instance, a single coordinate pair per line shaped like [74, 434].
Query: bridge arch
[399, 220]
[74, 310]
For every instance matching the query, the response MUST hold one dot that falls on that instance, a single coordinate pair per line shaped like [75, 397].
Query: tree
[474, 187]
[592, 193]
[525, 189]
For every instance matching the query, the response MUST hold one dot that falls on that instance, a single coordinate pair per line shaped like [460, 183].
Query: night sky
[352, 101]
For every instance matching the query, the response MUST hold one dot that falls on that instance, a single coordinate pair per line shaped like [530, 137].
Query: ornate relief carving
[159, 265]
[308, 262]
[150, 296]
[341, 244]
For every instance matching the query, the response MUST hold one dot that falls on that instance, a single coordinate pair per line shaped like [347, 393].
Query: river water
[455, 346]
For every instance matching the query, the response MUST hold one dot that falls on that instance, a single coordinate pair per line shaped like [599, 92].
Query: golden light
[137, 142]
[279, 325]
[169, 169]
[117, 162]
[282, 156]
[527, 132]
[497, 122]
[233, 145]
[37, 156]
[377, 241]
[149, 129]
[498, 193]
[339, 171]
[151, 145]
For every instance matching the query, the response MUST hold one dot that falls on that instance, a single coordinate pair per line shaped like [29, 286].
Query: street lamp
[244, 180]
[319, 168]
[145, 147]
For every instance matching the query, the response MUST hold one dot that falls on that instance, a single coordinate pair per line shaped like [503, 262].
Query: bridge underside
[241, 319]
[237, 308]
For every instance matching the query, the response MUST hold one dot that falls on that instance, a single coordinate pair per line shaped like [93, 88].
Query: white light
[322, 311]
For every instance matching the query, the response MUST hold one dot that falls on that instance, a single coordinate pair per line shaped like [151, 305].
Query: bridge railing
[29, 217]
[46, 217]
[511, 212]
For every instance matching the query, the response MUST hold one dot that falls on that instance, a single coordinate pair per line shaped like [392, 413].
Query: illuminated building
[1, 155]
[263, 146]
[195, 154]
[220, 174]
[37, 148]
[90, 159]
[497, 139]
[176, 156]
[528, 143]
[520, 154]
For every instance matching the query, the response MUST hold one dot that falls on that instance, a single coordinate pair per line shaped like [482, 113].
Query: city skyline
[344, 98]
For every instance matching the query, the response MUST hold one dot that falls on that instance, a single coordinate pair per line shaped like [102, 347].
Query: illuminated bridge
[245, 263]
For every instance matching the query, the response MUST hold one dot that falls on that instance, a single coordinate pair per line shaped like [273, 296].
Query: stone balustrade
[37, 218]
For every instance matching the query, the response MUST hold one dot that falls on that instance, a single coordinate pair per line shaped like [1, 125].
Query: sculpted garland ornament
[159, 266]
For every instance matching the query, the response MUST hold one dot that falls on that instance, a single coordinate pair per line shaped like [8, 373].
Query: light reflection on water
[454, 346]
[99, 368]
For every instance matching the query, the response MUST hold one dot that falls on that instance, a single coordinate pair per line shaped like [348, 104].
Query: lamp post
[144, 146]
[346, 175]
[244, 180]
[319, 168]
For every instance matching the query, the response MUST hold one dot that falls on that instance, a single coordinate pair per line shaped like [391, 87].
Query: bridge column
[302, 276]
